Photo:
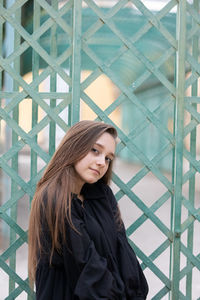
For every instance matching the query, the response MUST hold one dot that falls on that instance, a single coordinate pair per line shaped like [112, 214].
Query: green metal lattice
[136, 48]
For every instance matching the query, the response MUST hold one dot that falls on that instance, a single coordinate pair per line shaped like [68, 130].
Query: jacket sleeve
[136, 286]
[86, 268]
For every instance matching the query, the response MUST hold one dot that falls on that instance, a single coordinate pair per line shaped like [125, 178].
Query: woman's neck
[78, 192]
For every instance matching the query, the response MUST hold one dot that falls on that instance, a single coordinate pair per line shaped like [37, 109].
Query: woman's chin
[92, 180]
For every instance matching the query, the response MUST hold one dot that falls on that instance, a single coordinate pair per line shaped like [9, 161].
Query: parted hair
[57, 185]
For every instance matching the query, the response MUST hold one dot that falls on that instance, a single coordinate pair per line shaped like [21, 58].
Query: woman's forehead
[107, 142]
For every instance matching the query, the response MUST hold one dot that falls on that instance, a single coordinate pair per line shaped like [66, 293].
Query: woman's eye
[95, 150]
[108, 159]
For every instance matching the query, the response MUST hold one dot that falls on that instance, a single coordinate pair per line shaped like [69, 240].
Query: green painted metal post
[35, 72]
[173, 182]
[76, 60]
[14, 163]
[179, 125]
[70, 74]
[53, 82]
[193, 136]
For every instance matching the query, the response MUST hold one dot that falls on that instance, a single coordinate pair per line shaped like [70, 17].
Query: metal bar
[150, 264]
[194, 213]
[76, 61]
[157, 252]
[18, 291]
[44, 95]
[185, 270]
[55, 15]
[53, 82]
[144, 171]
[155, 21]
[173, 180]
[23, 135]
[160, 14]
[15, 277]
[161, 293]
[18, 243]
[13, 175]
[8, 44]
[143, 207]
[20, 193]
[179, 125]
[143, 217]
[35, 72]
[69, 111]
[14, 162]
[190, 232]
[193, 259]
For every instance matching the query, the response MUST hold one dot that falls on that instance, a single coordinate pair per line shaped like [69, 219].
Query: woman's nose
[101, 160]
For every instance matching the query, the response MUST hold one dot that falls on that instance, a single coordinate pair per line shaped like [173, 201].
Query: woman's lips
[95, 171]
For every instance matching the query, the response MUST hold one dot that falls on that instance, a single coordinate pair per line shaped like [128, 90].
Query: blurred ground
[148, 237]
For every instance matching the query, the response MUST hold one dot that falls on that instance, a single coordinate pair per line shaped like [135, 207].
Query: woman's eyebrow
[101, 146]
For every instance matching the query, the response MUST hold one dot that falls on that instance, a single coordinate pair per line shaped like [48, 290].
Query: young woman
[77, 243]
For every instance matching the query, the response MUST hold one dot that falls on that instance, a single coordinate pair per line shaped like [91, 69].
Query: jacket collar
[93, 191]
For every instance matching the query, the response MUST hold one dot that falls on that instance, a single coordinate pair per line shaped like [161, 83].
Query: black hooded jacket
[96, 263]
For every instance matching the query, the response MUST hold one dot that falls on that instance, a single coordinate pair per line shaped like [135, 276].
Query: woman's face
[94, 165]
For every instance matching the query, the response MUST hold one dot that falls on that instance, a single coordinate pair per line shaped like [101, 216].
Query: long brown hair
[57, 185]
